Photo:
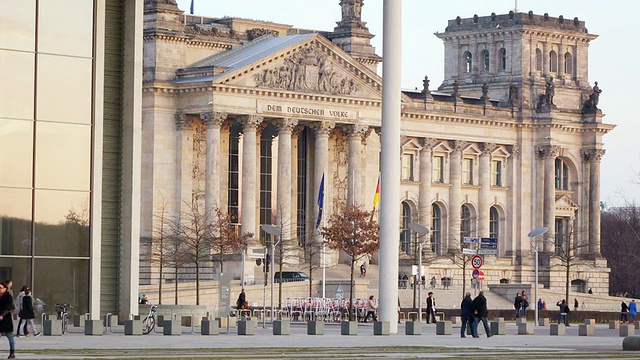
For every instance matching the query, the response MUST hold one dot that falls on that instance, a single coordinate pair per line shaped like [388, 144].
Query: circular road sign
[480, 276]
[477, 261]
[475, 273]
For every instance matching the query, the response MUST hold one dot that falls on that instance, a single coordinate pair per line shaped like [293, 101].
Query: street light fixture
[421, 230]
[532, 235]
[271, 230]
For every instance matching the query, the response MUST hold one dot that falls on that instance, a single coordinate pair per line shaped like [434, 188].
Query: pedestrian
[412, 280]
[433, 282]
[371, 309]
[362, 270]
[544, 305]
[17, 304]
[6, 320]
[365, 265]
[525, 304]
[633, 312]
[624, 311]
[517, 304]
[423, 282]
[431, 308]
[240, 303]
[480, 313]
[575, 304]
[28, 313]
[563, 317]
[466, 313]
[590, 291]
[399, 310]
[540, 304]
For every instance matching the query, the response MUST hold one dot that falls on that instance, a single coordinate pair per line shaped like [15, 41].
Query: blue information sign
[489, 240]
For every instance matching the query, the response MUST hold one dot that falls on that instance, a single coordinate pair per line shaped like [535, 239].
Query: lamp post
[420, 230]
[271, 230]
[532, 235]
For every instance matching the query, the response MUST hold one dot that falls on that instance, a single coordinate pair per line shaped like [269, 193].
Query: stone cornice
[189, 40]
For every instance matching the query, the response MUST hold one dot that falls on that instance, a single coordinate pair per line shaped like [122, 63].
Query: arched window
[538, 59]
[436, 228]
[485, 60]
[405, 235]
[468, 61]
[502, 58]
[465, 222]
[553, 61]
[562, 175]
[568, 63]
[494, 222]
[579, 285]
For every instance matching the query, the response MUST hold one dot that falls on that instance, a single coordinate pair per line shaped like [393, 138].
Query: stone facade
[505, 145]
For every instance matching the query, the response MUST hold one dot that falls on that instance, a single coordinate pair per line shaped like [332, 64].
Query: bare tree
[567, 251]
[312, 259]
[226, 237]
[161, 231]
[353, 231]
[427, 258]
[175, 252]
[458, 257]
[620, 233]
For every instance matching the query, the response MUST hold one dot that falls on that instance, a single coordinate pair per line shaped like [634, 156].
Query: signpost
[469, 251]
[477, 261]
[470, 240]
[487, 251]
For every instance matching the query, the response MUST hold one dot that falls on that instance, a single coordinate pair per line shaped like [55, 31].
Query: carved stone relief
[199, 161]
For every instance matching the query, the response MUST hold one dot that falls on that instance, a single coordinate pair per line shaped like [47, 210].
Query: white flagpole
[324, 255]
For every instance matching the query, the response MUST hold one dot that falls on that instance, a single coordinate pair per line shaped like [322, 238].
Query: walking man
[480, 314]
[431, 308]
[466, 314]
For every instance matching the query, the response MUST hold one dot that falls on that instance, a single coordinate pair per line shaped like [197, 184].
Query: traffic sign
[470, 240]
[489, 240]
[256, 253]
[488, 245]
[487, 251]
[477, 261]
[475, 273]
[480, 276]
[469, 251]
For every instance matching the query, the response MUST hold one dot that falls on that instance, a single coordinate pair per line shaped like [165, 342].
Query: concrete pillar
[184, 162]
[594, 156]
[426, 159]
[390, 181]
[354, 177]
[485, 189]
[250, 184]
[321, 161]
[549, 154]
[454, 194]
[213, 121]
[284, 191]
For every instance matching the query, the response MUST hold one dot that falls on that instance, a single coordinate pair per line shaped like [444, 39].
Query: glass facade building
[56, 97]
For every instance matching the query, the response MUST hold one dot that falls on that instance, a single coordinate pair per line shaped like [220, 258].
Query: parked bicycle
[149, 322]
[63, 314]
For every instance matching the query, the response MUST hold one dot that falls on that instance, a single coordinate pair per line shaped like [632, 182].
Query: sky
[613, 56]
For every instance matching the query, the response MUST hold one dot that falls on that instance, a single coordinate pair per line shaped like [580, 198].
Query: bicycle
[63, 314]
[149, 322]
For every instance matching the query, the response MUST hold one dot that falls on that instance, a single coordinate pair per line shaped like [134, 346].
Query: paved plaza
[605, 343]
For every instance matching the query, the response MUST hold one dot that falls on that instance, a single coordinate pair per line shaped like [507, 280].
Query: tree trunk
[160, 281]
[197, 281]
[567, 282]
[176, 288]
[221, 261]
[351, 312]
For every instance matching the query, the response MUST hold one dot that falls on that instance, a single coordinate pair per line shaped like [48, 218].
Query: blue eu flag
[191, 9]
[320, 201]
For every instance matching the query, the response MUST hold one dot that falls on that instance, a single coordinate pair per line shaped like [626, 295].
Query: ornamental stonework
[308, 71]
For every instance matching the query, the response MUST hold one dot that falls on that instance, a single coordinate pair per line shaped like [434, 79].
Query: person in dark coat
[466, 314]
[6, 320]
[28, 313]
[624, 311]
[480, 313]
[517, 304]
[431, 308]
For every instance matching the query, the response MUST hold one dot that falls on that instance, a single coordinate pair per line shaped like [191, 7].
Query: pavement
[605, 343]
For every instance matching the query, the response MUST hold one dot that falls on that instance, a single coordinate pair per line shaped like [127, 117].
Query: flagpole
[324, 251]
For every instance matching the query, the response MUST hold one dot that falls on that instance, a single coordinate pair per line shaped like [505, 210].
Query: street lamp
[532, 235]
[421, 230]
[271, 230]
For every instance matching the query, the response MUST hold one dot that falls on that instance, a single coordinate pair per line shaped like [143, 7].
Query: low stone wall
[180, 311]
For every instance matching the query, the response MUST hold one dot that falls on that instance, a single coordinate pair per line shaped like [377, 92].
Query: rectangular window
[496, 173]
[407, 167]
[438, 169]
[467, 171]
[561, 235]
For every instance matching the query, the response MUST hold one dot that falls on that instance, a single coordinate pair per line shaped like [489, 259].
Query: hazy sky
[613, 57]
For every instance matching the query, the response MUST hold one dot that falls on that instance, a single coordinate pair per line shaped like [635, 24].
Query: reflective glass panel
[66, 28]
[63, 156]
[62, 223]
[15, 222]
[16, 84]
[16, 152]
[64, 89]
[18, 25]
[62, 281]
[17, 270]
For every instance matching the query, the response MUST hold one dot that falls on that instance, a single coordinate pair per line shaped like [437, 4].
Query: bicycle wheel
[148, 324]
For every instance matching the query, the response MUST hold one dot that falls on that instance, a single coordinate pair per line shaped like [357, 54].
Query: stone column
[321, 165]
[213, 121]
[514, 203]
[250, 184]
[594, 156]
[184, 163]
[454, 195]
[549, 154]
[545, 57]
[493, 56]
[485, 189]
[426, 157]
[354, 176]
[561, 50]
[284, 195]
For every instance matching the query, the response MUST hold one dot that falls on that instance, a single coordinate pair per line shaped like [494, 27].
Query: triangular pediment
[500, 151]
[304, 63]
[565, 206]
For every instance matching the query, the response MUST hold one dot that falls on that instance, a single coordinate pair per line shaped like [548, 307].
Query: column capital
[457, 145]
[250, 121]
[183, 121]
[514, 149]
[323, 128]
[593, 155]
[286, 124]
[213, 118]
[428, 143]
[356, 130]
[548, 151]
[487, 148]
